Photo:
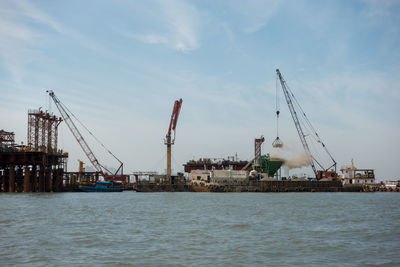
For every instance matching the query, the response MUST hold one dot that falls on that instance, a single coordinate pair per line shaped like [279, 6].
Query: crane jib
[288, 97]
[174, 116]
[78, 136]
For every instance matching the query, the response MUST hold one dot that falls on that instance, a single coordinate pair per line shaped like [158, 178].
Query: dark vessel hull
[253, 186]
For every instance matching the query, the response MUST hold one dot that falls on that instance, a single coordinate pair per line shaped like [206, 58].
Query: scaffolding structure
[7, 138]
[43, 131]
[37, 167]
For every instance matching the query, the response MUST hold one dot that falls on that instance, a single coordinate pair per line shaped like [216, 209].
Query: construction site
[40, 166]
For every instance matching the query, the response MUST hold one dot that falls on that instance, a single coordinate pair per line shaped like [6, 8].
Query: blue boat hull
[100, 187]
[84, 188]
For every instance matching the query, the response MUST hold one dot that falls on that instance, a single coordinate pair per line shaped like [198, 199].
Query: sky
[120, 65]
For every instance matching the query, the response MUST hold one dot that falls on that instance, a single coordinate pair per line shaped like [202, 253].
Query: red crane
[168, 141]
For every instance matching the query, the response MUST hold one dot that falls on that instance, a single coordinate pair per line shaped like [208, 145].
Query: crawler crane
[290, 99]
[103, 171]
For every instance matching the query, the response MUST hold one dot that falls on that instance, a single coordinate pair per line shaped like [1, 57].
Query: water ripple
[186, 229]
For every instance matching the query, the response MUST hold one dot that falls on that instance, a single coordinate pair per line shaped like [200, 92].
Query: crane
[65, 114]
[168, 140]
[289, 99]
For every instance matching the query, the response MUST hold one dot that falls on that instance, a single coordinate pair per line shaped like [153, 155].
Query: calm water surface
[193, 229]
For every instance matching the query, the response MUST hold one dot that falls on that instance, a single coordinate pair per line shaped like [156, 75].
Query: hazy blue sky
[119, 65]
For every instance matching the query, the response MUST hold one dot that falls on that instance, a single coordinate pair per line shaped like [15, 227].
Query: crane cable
[91, 135]
[277, 107]
[311, 128]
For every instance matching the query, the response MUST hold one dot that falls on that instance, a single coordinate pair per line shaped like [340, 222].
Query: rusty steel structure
[43, 131]
[38, 166]
[257, 146]
[7, 138]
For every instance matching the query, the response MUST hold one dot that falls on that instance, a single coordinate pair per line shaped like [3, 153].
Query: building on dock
[352, 175]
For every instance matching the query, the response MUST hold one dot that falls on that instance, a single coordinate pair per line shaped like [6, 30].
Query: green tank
[268, 165]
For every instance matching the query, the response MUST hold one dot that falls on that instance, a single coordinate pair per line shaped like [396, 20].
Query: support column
[1, 181]
[33, 179]
[54, 180]
[11, 180]
[41, 179]
[48, 180]
[6, 176]
[73, 178]
[20, 179]
[27, 186]
[57, 174]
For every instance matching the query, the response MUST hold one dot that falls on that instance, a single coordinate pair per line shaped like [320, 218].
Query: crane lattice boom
[296, 120]
[289, 99]
[78, 136]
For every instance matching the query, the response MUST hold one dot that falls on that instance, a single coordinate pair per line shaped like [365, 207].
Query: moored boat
[100, 186]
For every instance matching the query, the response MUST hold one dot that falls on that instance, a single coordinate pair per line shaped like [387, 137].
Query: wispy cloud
[30, 11]
[22, 40]
[152, 39]
[174, 24]
[381, 9]
[385, 15]
[257, 13]
[148, 38]
[250, 16]
[18, 46]
[16, 41]
[182, 19]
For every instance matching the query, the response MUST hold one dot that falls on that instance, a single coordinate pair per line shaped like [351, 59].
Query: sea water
[200, 229]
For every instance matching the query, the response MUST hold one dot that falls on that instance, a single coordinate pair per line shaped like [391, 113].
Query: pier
[38, 166]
